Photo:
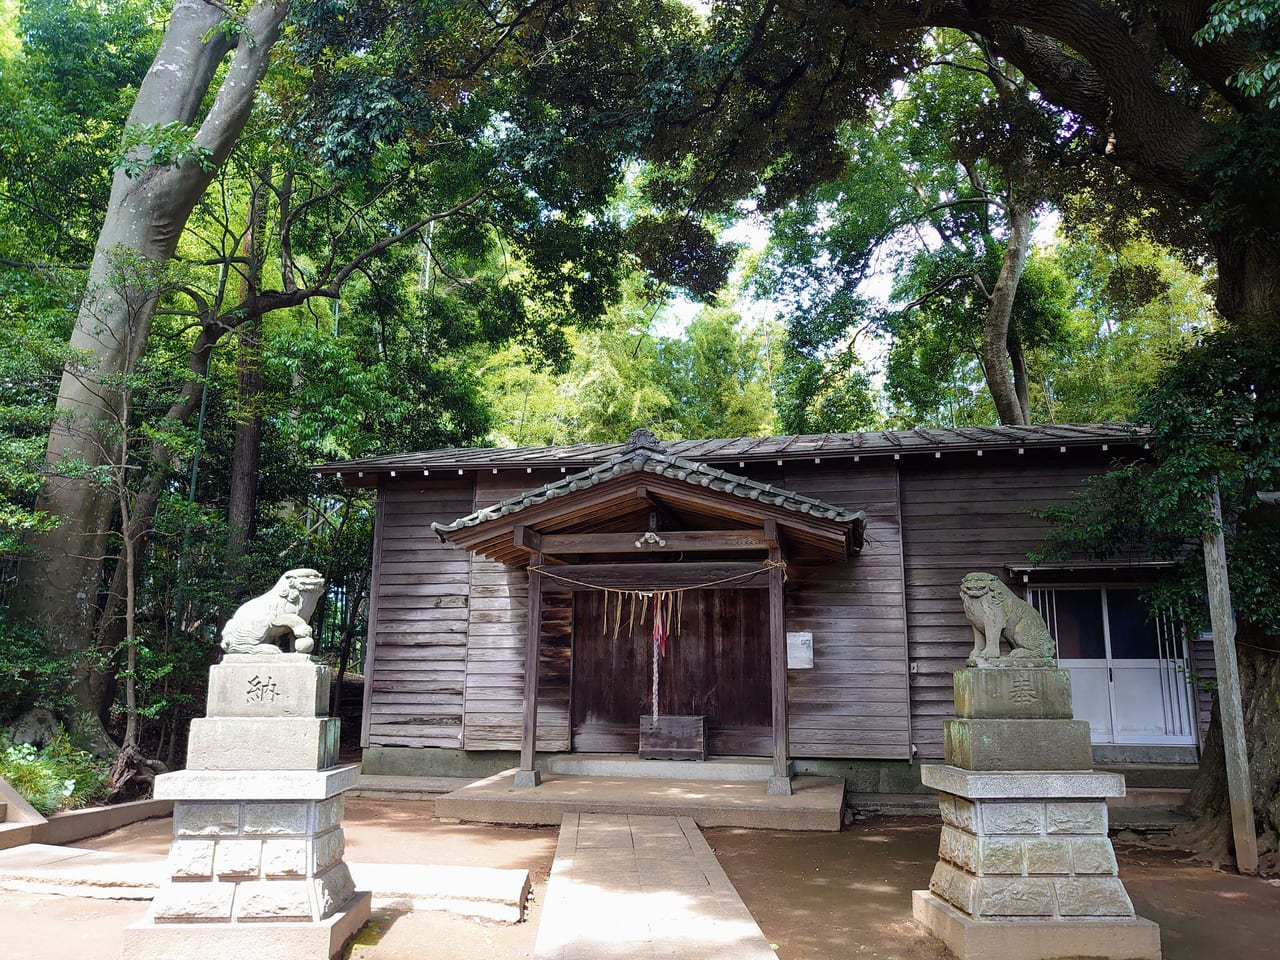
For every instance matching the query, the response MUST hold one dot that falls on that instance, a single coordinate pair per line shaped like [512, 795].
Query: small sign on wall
[799, 650]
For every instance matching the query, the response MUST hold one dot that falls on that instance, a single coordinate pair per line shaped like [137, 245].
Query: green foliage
[149, 145]
[716, 378]
[933, 372]
[33, 313]
[1132, 307]
[683, 252]
[1257, 24]
[817, 396]
[511, 111]
[1242, 163]
[1214, 416]
[31, 674]
[64, 95]
[923, 199]
[55, 777]
[712, 380]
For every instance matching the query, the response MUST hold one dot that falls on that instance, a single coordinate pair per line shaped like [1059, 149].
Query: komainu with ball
[282, 611]
[995, 612]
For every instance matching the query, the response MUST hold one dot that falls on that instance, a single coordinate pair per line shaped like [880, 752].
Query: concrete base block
[283, 685]
[1001, 785]
[239, 785]
[1017, 744]
[251, 743]
[1013, 693]
[778, 787]
[487, 893]
[264, 940]
[969, 939]
[528, 778]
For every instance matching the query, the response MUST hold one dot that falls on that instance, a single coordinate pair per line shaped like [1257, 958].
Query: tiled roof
[746, 449]
[648, 457]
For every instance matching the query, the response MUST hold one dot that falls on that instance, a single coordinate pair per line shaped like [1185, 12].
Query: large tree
[388, 119]
[941, 191]
[1154, 117]
[168, 162]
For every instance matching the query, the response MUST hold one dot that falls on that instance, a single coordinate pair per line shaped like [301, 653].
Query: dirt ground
[817, 896]
[848, 895]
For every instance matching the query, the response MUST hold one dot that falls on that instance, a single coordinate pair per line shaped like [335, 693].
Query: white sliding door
[1128, 672]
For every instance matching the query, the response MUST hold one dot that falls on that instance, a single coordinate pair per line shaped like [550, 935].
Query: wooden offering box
[673, 738]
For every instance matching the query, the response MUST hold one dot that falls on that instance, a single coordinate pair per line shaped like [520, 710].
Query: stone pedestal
[1025, 868]
[256, 864]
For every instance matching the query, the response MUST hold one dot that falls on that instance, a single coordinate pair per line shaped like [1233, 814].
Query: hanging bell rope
[656, 661]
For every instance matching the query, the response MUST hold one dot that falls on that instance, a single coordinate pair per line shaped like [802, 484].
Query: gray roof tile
[662, 464]
[872, 443]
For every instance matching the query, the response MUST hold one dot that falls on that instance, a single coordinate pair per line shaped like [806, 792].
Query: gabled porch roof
[620, 494]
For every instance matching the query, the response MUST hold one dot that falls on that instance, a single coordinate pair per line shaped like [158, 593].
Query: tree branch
[933, 291]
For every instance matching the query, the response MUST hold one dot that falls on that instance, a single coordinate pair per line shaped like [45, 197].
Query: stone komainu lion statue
[994, 612]
[284, 609]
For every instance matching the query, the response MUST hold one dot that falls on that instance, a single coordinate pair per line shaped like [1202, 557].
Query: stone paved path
[642, 888]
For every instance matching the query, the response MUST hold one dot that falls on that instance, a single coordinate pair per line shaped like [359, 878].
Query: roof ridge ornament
[642, 439]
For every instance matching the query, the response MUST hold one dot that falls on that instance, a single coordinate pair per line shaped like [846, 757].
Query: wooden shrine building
[798, 597]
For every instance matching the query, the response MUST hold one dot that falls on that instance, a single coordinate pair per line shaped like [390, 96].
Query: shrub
[57, 777]
[30, 674]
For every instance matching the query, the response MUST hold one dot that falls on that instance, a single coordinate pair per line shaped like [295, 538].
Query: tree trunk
[1021, 386]
[354, 601]
[145, 216]
[243, 500]
[1248, 281]
[1209, 833]
[995, 329]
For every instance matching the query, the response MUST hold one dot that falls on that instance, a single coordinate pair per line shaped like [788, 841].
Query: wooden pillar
[527, 775]
[1239, 790]
[780, 782]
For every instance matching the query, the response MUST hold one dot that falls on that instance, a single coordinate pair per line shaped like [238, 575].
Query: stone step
[1167, 776]
[719, 769]
[484, 892]
[816, 803]
[15, 834]
[893, 804]
[1136, 798]
[1151, 818]
[487, 893]
[406, 788]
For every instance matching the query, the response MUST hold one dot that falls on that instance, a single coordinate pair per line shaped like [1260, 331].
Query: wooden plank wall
[1204, 670]
[420, 619]
[854, 702]
[494, 701]
[962, 514]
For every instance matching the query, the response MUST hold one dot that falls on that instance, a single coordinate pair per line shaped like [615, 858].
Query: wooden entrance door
[717, 666]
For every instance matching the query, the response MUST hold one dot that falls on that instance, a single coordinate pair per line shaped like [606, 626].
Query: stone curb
[486, 892]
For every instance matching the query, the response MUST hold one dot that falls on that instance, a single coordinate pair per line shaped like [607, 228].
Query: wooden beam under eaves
[526, 538]
[663, 541]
